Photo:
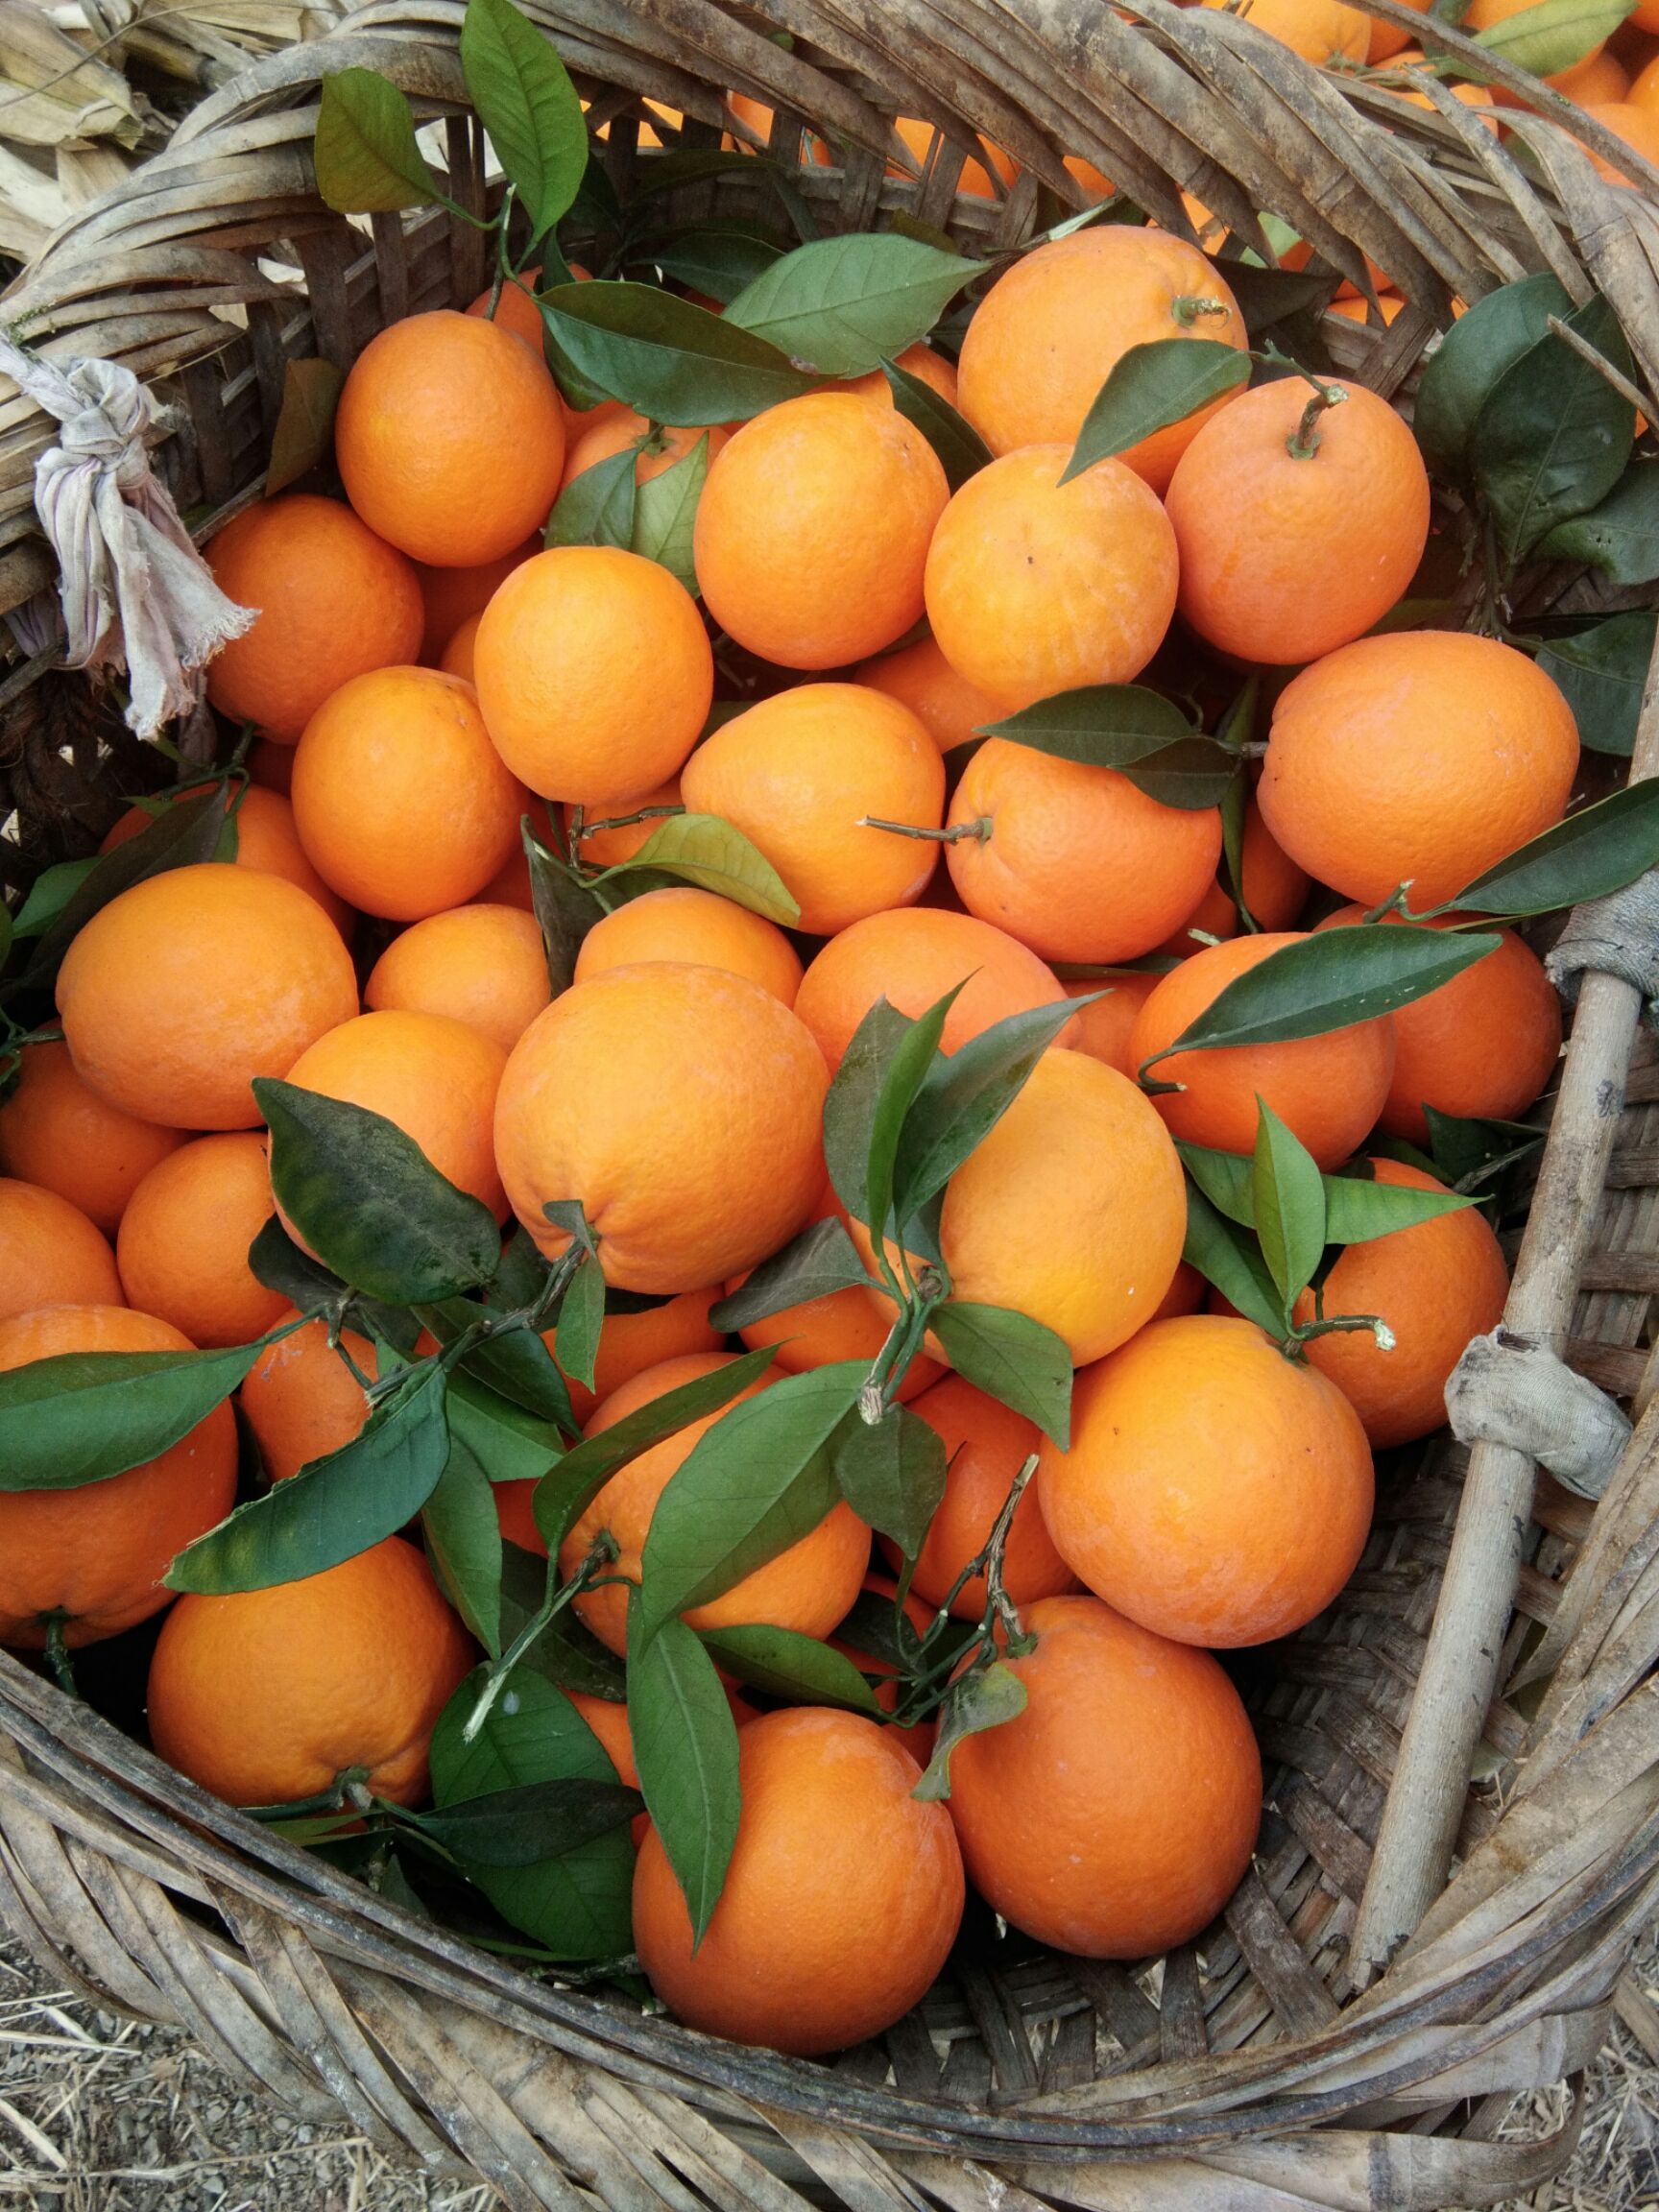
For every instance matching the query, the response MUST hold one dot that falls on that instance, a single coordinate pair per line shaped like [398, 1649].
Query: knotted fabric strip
[135, 592]
[1505, 1390]
[1617, 935]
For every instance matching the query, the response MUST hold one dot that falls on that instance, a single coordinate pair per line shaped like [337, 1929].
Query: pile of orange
[373, 941]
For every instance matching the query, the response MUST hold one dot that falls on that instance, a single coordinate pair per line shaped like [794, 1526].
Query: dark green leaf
[1103, 725]
[685, 1750]
[184, 834]
[960, 449]
[850, 1108]
[369, 1202]
[1151, 387]
[892, 1473]
[515, 1364]
[818, 1262]
[1288, 1195]
[666, 515]
[463, 1534]
[751, 1485]
[1467, 1152]
[1225, 1180]
[581, 1317]
[879, 1633]
[278, 1261]
[669, 360]
[840, 305]
[1553, 36]
[1620, 537]
[1012, 1359]
[1329, 981]
[304, 434]
[585, 1469]
[366, 158]
[49, 894]
[714, 261]
[565, 911]
[597, 507]
[1231, 1259]
[1471, 358]
[907, 1071]
[1553, 435]
[564, 1653]
[703, 850]
[1192, 776]
[84, 1416]
[1602, 672]
[535, 1821]
[1597, 849]
[508, 1441]
[974, 1702]
[795, 1670]
[576, 1903]
[334, 1507]
[527, 104]
[1357, 1212]
[965, 1097]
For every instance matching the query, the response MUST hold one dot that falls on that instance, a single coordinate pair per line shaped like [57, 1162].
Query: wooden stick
[1460, 1674]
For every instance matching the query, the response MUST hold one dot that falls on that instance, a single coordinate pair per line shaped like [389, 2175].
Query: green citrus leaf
[1288, 1192]
[850, 1107]
[960, 449]
[581, 1318]
[1597, 849]
[1621, 536]
[596, 508]
[565, 910]
[983, 1699]
[84, 1416]
[715, 856]
[1471, 358]
[510, 1443]
[666, 515]
[49, 894]
[522, 1825]
[713, 257]
[526, 102]
[1357, 1212]
[685, 1750]
[1554, 35]
[815, 1264]
[1102, 725]
[671, 361]
[463, 1532]
[892, 1473]
[1553, 437]
[1231, 1259]
[1151, 387]
[1602, 673]
[840, 305]
[907, 1069]
[1012, 1359]
[1467, 1151]
[366, 158]
[304, 432]
[795, 1670]
[184, 834]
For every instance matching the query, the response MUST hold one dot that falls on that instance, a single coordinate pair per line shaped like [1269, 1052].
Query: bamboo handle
[1460, 1662]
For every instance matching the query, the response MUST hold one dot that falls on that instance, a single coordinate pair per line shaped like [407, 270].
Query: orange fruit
[911, 956]
[450, 439]
[1077, 861]
[1275, 891]
[1321, 31]
[271, 765]
[759, 118]
[267, 839]
[1482, 1046]
[271, 1694]
[920, 361]
[434, 1079]
[919, 1738]
[98, 1553]
[1437, 1285]
[660, 446]
[452, 596]
[182, 990]
[1384, 40]
[1423, 757]
[841, 1325]
[514, 309]
[681, 922]
[1103, 1028]
[1601, 80]
[1216, 1491]
[1055, 326]
[184, 1243]
[1471, 95]
[973, 178]
[1034, 587]
[1292, 545]
[334, 601]
[813, 527]
[602, 848]
[799, 773]
[948, 707]
[1077, 1166]
[403, 805]
[681, 1105]
[1115, 1816]
[460, 655]
[482, 965]
[842, 1899]
[1390, 305]
[51, 1254]
[1636, 123]
[509, 885]
[300, 1398]
[987, 1444]
[595, 673]
[808, 1587]
[1328, 1090]
[1643, 89]
[1185, 1294]
[57, 1132]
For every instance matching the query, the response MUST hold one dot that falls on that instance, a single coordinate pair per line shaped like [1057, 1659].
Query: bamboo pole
[1460, 1674]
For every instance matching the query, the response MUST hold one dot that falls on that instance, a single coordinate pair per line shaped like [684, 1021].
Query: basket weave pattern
[1249, 2072]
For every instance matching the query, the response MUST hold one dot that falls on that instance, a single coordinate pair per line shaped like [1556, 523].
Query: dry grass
[99, 2114]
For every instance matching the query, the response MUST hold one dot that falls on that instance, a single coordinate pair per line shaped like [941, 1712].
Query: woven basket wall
[1247, 2073]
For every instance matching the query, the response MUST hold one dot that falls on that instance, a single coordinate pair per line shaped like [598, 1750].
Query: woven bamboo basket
[1270, 2066]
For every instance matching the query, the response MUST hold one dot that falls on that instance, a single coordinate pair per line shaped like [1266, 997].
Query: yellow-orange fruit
[1103, 1028]
[334, 601]
[1215, 1490]
[402, 803]
[986, 1444]
[1115, 1816]
[1275, 891]
[480, 964]
[1323, 32]
[949, 707]
[595, 673]
[813, 528]
[184, 1243]
[96, 1554]
[301, 1400]
[51, 1254]
[57, 1132]
[450, 439]
[452, 596]
[804, 1954]
[681, 1105]
[185, 987]
[460, 655]
[799, 774]
[681, 922]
